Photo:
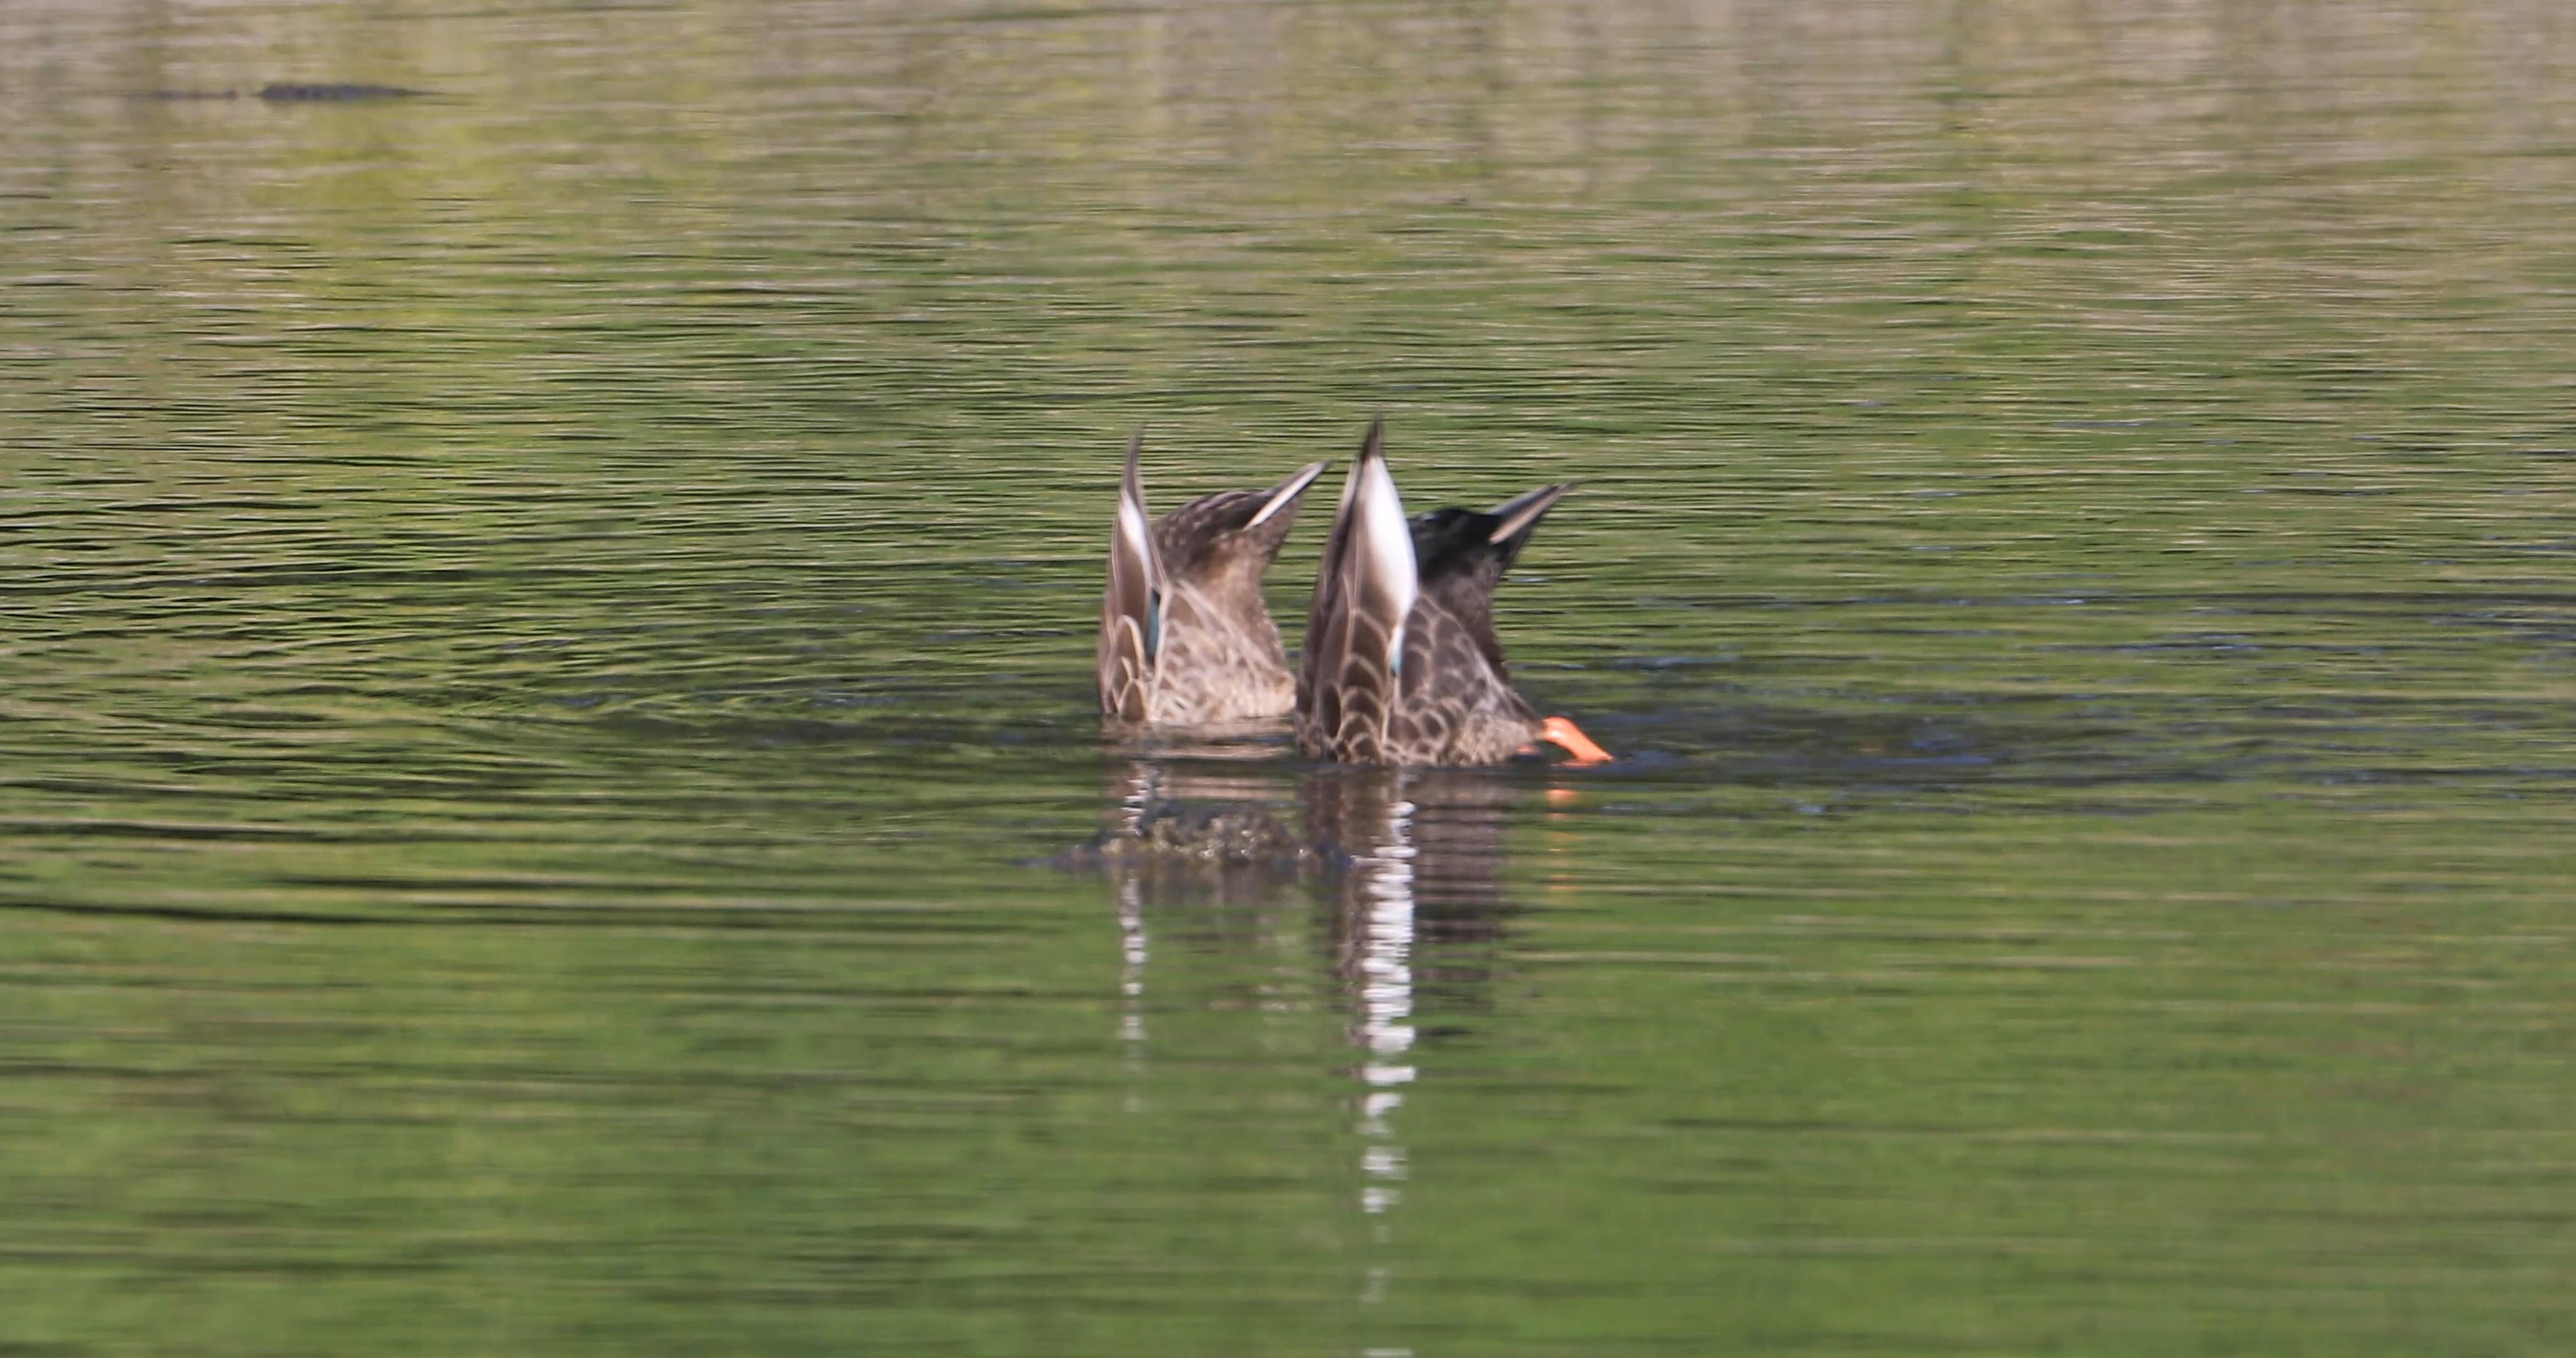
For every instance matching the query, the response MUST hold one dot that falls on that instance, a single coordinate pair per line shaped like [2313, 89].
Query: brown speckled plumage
[1419, 594]
[1185, 639]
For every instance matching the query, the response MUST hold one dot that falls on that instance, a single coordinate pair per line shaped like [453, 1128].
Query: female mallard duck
[1184, 637]
[1401, 664]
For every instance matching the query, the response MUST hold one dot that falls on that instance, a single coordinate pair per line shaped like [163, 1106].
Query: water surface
[548, 629]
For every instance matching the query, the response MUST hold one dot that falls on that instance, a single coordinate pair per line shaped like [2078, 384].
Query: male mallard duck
[1184, 637]
[1401, 664]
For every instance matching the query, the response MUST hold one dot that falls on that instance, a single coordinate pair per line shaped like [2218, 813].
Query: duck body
[1185, 639]
[1401, 663]
[1454, 699]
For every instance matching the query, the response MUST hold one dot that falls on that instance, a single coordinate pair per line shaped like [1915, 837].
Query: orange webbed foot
[1562, 731]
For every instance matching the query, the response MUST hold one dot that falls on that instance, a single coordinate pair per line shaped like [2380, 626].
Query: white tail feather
[1385, 545]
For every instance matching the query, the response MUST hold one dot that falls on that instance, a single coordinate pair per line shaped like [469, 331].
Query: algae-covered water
[545, 636]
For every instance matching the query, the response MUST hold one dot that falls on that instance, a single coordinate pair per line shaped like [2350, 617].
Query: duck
[1185, 639]
[1401, 665]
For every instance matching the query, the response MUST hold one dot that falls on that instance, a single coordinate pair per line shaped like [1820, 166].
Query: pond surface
[548, 633]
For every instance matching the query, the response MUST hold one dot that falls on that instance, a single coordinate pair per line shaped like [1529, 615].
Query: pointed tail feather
[1516, 517]
[1285, 494]
[1321, 612]
[1131, 609]
[1355, 632]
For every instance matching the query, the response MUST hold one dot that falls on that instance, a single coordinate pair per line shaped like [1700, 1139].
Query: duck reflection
[1198, 832]
[1403, 867]
[1417, 913]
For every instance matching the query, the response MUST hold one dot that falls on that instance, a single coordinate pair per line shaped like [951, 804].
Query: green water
[546, 625]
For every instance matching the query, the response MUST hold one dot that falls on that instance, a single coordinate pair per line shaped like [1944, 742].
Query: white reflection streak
[1138, 793]
[1131, 970]
[1386, 1028]
[1135, 793]
[1386, 1006]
